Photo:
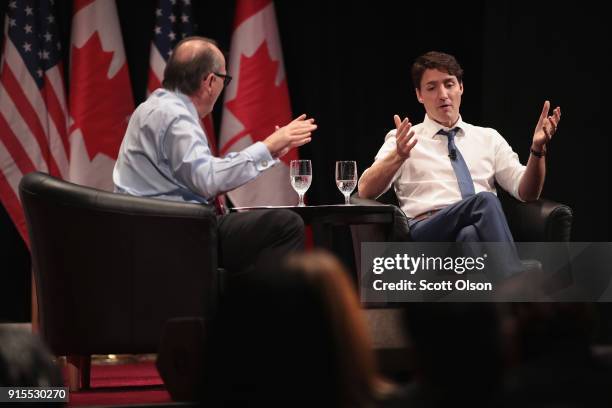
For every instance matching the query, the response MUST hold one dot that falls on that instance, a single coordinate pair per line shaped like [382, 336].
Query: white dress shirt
[165, 154]
[426, 180]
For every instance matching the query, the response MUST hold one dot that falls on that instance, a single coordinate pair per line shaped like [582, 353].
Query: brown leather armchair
[111, 269]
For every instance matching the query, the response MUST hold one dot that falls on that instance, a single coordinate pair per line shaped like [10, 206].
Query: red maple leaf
[100, 106]
[260, 104]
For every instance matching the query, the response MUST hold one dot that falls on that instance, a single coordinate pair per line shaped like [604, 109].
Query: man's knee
[289, 221]
[487, 199]
[283, 222]
[467, 234]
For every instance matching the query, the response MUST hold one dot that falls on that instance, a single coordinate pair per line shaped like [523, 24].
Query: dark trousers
[478, 218]
[246, 238]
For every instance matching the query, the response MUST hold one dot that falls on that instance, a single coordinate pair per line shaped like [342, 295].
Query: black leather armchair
[111, 269]
[538, 221]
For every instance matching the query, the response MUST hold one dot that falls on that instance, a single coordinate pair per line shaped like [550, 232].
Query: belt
[424, 215]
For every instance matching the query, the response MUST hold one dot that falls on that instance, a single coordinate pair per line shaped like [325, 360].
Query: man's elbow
[529, 196]
[364, 190]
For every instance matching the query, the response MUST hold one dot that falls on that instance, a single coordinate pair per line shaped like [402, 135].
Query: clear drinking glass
[346, 178]
[300, 173]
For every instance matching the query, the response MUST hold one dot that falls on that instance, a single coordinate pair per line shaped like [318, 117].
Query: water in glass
[300, 175]
[346, 178]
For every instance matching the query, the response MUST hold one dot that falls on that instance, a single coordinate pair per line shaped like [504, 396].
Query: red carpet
[118, 384]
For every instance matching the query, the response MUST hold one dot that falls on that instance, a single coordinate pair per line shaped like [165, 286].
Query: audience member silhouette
[26, 362]
[293, 336]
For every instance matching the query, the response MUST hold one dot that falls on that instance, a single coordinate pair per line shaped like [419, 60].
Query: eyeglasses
[226, 78]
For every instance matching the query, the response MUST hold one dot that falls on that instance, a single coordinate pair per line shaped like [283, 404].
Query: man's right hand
[404, 137]
[297, 133]
[378, 177]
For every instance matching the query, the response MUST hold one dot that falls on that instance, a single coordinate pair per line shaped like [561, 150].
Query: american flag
[33, 131]
[173, 22]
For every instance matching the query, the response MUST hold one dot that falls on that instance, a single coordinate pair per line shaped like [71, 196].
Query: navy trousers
[478, 218]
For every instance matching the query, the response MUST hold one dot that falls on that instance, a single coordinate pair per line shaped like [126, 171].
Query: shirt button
[264, 163]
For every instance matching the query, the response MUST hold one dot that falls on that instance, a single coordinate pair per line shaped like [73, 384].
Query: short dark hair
[186, 75]
[435, 60]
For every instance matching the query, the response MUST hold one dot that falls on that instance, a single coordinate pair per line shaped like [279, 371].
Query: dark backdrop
[348, 66]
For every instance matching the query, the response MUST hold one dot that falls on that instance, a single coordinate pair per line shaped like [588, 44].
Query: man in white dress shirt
[443, 170]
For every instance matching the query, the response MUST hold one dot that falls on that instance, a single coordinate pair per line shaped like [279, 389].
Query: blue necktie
[466, 185]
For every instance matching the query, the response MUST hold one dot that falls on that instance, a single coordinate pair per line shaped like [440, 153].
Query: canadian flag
[100, 93]
[257, 100]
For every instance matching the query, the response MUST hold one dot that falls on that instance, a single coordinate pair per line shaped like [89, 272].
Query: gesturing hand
[546, 127]
[297, 133]
[404, 136]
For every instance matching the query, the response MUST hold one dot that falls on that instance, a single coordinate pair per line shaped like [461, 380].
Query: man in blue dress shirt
[165, 154]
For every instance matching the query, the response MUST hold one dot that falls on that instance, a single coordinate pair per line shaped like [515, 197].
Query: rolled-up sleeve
[508, 168]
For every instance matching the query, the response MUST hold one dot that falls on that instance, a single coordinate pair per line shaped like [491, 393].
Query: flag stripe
[29, 116]
[18, 155]
[9, 187]
[158, 64]
[59, 143]
[55, 76]
[20, 131]
[58, 116]
[247, 9]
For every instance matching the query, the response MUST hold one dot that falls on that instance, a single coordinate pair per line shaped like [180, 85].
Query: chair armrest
[399, 231]
[541, 220]
[355, 199]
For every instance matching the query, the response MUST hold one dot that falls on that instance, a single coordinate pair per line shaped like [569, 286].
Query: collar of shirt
[185, 99]
[431, 127]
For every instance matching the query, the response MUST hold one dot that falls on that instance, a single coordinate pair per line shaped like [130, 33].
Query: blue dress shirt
[165, 154]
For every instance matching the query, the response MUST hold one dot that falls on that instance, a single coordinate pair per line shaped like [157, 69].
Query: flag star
[157, 30]
[13, 4]
[12, 22]
[39, 72]
[51, 18]
[39, 54]
[27, 47]
[172, 18]
[59, 45]
[169, 53]
[173, 2]
[187, 2]
[28, 11]
[28, 29]
[172, 36]
[183, 35]
[48, 36]
[45, 55]
[184, 18]
[158, 12]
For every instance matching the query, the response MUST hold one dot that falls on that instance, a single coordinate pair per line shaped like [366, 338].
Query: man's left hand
[546, 127]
